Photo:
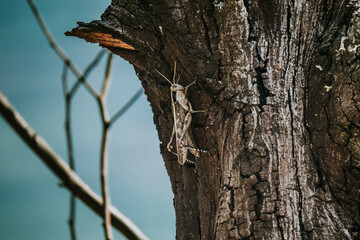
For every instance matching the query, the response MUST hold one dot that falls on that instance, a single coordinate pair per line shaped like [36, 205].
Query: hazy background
[32, 206]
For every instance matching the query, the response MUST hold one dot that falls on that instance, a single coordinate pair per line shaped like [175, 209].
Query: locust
[182, 113]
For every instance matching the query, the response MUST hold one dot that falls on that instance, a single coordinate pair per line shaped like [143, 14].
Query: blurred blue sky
[32, 206]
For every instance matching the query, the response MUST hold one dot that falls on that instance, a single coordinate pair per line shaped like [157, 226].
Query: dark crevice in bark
[292, 126]
[260, 71]
[207, 37]
[263, 91]
[232, 201]
[259, 196]
[252, 36]
[280, 227]
[199, 226]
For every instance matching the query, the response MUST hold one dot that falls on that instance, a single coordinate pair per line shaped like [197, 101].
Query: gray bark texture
[280, 83]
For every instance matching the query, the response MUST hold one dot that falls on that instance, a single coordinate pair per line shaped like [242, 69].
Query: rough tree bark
[280, 84]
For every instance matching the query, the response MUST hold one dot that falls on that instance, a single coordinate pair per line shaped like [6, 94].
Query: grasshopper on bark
[182, 114]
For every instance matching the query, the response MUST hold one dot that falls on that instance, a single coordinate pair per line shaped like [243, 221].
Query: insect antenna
[163, 76]
[174, 77]
[178, 79]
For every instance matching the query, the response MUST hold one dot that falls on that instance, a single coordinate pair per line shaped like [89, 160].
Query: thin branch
[126, 107]
[68, 132]
[70, 179]
[58, 50]
[64, 79]
[51, 39]
[106, 81]
[71, 220]
[103, 152]
[88, 69]
[104, 183]
[95, 62]
[69, 142]
[67, 97]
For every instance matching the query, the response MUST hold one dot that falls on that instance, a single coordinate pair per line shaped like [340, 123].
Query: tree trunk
[282, 101]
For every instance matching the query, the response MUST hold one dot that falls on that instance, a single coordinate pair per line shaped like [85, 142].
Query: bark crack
[252, 36]
[302, 228]
[206, 35]
[259, 196]
[291, 125]
[289, 39]
[263, 91]
[280, 226]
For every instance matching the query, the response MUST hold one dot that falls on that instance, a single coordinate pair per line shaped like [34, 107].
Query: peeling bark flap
[90, 33]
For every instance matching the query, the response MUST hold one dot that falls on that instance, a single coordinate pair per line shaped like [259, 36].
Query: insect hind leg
[195, 148]
[188, 162]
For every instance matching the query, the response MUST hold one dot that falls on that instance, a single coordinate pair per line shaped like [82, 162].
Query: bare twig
[64, 79]
[58, 50]
[103, 153]
[106, 82]
[95, 62]
[89, 68]
[67, 98]
[71, 220]
[71, 181]
[129, 103]
[104, 183]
